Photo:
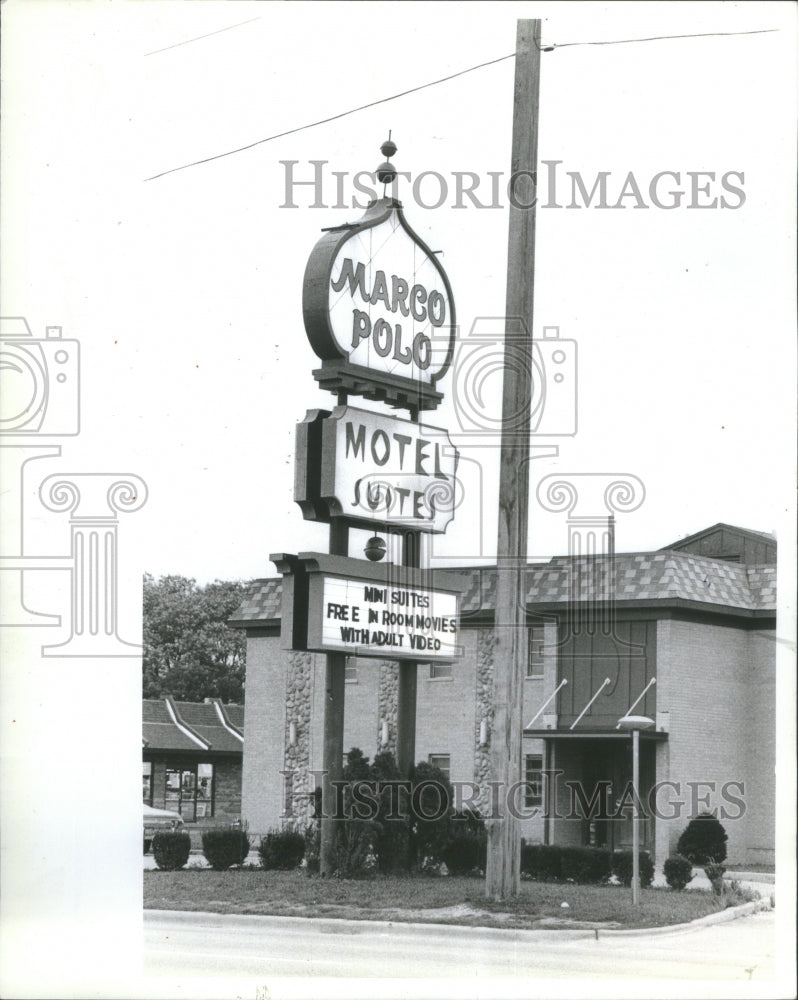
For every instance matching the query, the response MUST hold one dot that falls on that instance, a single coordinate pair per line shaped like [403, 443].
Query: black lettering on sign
[422, 304]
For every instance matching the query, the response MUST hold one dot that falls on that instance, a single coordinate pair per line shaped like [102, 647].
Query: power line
[433, 83]
[658, 38]
[332, 118]
[200, 37]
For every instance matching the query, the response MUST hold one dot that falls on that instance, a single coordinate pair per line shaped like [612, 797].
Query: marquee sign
[399, 622]
[379, 311]
[337, 604]
[375, 470]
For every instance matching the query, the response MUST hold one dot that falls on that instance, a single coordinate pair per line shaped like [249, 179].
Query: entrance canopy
[650, 735]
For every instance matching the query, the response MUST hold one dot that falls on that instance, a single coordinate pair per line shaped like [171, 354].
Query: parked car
[156, 820]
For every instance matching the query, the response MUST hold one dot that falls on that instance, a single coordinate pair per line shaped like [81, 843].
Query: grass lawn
[452, 899]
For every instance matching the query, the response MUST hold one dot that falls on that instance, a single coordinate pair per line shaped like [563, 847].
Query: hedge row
[227, 846]
[584, 865]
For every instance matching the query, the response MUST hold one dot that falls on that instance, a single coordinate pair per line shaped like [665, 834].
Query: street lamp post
[635, 723]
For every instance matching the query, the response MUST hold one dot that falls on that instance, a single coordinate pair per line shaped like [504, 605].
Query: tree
[189, 651]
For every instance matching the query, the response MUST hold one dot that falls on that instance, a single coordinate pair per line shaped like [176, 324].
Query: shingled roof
[641, 577]
[196, 726]
[262, 603]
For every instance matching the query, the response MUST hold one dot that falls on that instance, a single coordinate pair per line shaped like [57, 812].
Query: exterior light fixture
[483, 733]
[375, 548]
[292, 734]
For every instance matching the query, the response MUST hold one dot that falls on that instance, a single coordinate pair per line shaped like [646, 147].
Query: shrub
[704, 840]
[467, 848]
[171, 849]
[430, 814]
[392, 834]
[225, 846]
[678, 871]
[281, 850]
[715, 872]
[354, 848]
[541, 861]
[585, 865]
[357, 831]
[622, 863]
[737, 894]
[313, 848]
[370, 832]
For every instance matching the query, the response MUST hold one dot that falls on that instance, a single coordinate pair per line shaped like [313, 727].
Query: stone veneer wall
[297, 758]
[486, 641]
[388, 703]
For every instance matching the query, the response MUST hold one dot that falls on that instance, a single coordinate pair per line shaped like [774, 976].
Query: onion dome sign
[378, 310]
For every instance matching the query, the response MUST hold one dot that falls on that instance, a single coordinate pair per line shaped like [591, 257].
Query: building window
[350, 670]
[189, 791]
[146, 782]
[534, 660]
[440, 671]
[442, 761]
[533, 777]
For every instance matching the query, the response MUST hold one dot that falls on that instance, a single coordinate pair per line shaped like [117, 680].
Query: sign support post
[408, 678]
[503, 870]
[333, 735]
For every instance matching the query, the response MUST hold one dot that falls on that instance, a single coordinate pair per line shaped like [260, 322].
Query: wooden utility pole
[503, 872]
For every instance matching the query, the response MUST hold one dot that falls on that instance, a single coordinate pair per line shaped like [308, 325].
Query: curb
[339, 924]
[721, 917]
[388, 927]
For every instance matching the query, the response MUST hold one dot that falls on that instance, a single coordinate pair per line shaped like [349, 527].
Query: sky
[184, 292]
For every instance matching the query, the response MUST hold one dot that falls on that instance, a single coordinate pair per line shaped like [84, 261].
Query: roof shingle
[637, 576]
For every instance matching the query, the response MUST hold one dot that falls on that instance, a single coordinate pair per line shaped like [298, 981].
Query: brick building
[684, 635]
[192, 758]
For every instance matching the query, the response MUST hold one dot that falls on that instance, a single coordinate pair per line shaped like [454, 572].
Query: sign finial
[386, 172]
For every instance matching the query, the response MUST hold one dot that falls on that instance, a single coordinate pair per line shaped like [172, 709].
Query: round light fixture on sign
[375, 548]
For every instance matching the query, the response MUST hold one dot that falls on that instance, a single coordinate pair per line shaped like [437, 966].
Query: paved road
[201, 955]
